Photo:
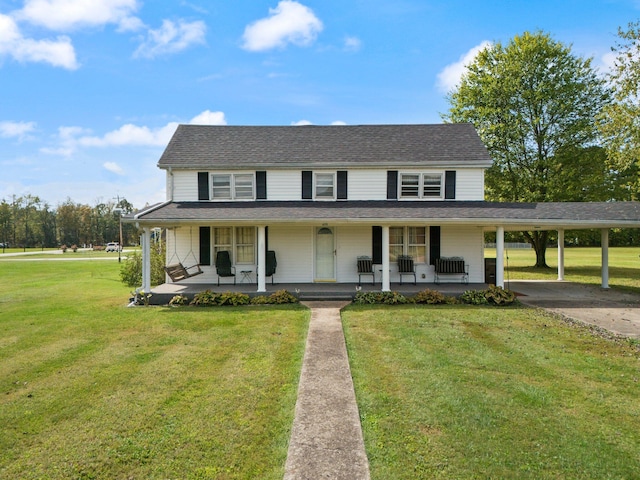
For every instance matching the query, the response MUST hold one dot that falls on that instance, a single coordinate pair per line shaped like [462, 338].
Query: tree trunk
[538, 241]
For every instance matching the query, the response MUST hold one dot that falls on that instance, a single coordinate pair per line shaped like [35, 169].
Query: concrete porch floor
[162, 294]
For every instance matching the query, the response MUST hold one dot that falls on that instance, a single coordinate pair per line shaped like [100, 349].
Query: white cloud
[301, 123]
[131, 135]
[16, 129]
[352, 44]
[209, 118]
[171, 38]
[289, 22]
[113, 167]
[338, 122]
[450, 76]
[64, 15]
[58, 52]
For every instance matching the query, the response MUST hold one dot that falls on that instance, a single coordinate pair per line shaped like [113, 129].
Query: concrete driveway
[613, 310]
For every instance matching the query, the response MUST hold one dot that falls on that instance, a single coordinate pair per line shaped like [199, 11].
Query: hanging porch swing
[177, 271]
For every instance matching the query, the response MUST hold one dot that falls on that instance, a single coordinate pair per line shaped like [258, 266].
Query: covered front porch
[162, 294]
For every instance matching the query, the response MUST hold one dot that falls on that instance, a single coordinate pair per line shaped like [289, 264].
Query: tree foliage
[534, 104]
[621, 118]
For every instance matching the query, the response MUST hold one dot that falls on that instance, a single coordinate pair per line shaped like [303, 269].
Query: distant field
[581, 265]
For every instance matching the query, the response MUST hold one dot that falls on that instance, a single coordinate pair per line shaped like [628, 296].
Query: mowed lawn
[460, 392]
[582, 265]
[92, 389]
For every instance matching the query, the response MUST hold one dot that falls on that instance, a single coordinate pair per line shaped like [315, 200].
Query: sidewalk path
[326, 439]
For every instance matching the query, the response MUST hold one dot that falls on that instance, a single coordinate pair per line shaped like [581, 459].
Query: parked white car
[112, 247]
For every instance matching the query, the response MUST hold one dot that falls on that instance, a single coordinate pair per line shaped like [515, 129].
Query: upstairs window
[239, 186]
[324, 186]
[420, 185]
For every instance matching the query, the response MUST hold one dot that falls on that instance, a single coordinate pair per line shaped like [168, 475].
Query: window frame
[316, 185]
[233, 187]
[413, 191]
[233, 247]
[405, 247]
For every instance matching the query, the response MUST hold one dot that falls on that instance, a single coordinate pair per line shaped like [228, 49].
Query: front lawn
[461, 392]
[92, 389]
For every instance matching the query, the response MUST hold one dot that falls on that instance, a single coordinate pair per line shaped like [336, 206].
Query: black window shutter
[203, 185]
[205, 245]
[450, 184]
[376, 244]
[342, 184]
[307, 184]
[434, 244]
[261, 185]
[392, 185]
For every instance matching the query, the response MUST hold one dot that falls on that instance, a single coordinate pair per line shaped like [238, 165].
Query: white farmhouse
[316, 198]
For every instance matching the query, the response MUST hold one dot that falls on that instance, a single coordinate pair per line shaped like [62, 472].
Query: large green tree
[621, 118]
[533, 103]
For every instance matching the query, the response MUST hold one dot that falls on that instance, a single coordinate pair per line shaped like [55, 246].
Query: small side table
[246, 275]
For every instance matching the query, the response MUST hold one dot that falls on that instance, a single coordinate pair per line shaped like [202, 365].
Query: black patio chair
[365, 267]
[224, 267]
[271, 264]
[406, 267]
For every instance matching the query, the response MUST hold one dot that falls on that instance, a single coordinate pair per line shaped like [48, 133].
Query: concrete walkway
[326, 440]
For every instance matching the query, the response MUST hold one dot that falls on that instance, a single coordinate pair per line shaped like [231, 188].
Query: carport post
[500, 257]
[386, 284]
[560, 255]
[604, 244]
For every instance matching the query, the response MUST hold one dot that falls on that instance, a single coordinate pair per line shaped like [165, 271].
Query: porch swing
[177, 271]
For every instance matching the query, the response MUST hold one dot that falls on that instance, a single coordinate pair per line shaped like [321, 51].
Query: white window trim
[421, 195]
[315, 186]
[233, 247]
[232, 185]
[406, 245]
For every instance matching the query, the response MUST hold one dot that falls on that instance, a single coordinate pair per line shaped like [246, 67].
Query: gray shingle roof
[514, 216]
[197, 146]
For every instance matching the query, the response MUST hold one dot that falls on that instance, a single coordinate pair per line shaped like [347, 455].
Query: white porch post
[560, 254]
[604, 243]
[500, 257]
[146, 259]
[262, 260]
[386, 283]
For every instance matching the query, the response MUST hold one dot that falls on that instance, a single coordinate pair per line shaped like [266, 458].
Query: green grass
[92, 389]
[581, 265]
[461, 393]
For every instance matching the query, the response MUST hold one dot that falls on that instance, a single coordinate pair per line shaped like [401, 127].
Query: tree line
[29, 222]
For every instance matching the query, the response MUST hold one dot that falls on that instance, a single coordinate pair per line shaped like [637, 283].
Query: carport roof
[511, 216]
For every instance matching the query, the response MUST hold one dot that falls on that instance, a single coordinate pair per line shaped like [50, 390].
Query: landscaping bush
[131, 269]
[474, 297]
[281, 297]
[204, 299]
[491, 296]
[385, 298]
[430, 297]
[179, 300]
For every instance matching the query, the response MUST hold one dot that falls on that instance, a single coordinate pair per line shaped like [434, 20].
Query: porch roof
[511, 216]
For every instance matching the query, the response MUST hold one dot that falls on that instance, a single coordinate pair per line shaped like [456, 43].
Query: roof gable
[390, 146]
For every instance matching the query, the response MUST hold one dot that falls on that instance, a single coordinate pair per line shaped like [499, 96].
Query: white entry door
[325, 255]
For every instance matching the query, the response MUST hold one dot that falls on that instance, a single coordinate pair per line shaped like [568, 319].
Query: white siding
[367, 185]
[294, 253]
[352, 242]
[470, 184]
[185, 186]
[466, 242]
[284, 184]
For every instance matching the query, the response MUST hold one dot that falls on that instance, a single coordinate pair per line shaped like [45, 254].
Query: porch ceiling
[487, 215]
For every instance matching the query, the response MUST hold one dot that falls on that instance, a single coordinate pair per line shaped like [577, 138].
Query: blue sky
[91, 90]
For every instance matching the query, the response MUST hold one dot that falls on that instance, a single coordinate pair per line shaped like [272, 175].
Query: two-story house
[322, 196]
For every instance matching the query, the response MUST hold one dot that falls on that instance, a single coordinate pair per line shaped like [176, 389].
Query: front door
[325, 255]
